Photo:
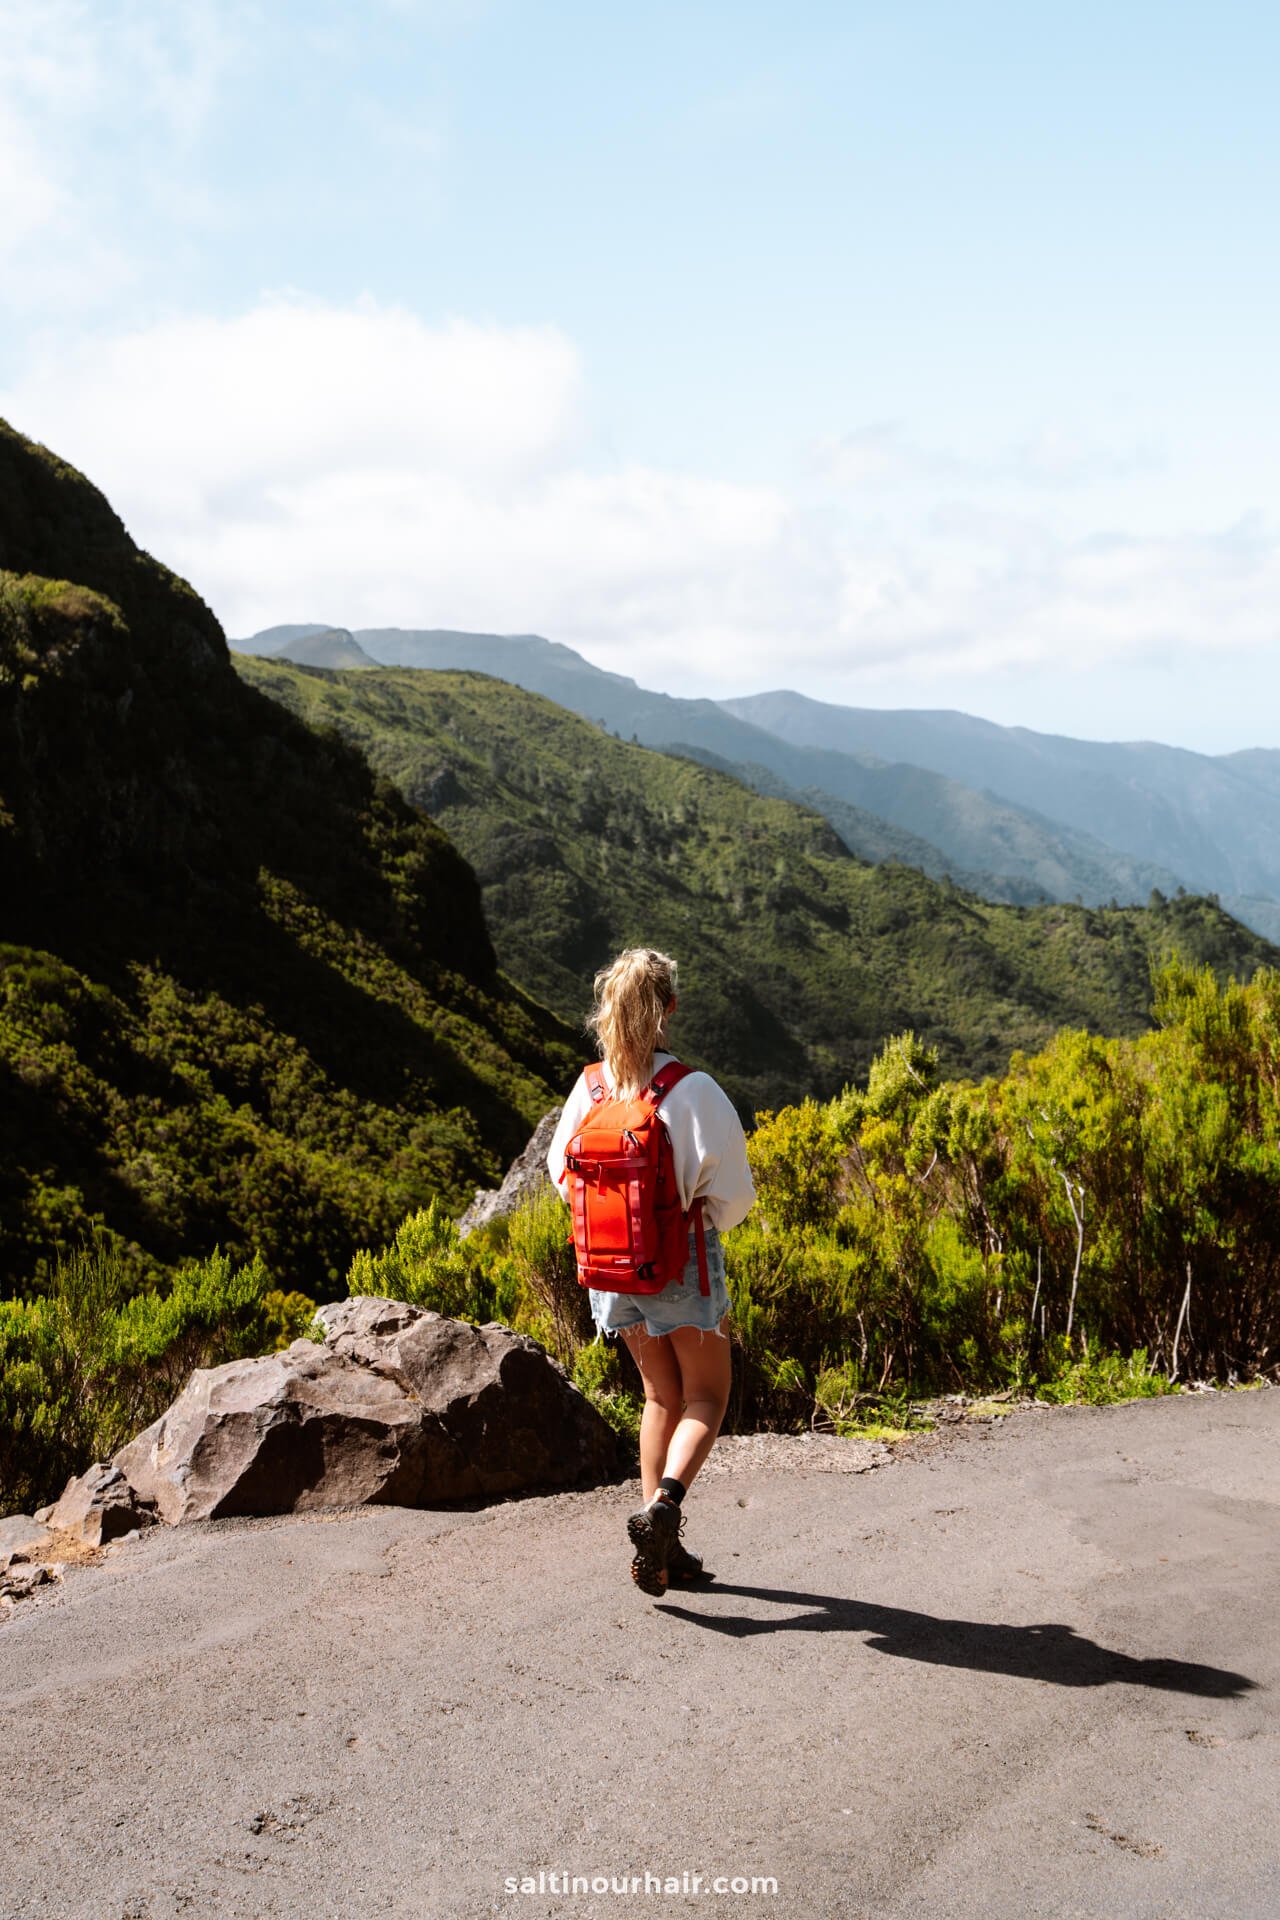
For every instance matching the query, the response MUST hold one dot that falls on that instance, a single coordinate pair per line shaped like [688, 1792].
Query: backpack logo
[630, 1232]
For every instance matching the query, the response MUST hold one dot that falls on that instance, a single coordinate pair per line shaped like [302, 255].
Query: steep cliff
[248, 993]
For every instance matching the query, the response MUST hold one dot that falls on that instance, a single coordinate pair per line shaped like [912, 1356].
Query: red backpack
[630, 1233]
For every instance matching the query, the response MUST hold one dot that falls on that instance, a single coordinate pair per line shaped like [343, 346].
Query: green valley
[797, 958]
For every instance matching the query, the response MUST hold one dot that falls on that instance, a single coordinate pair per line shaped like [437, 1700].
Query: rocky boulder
[100, 1505]
[526, 1176]
[502, 1415]
[397, 1406]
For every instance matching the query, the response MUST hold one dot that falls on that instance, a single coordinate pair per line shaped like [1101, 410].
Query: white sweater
[707, 1144]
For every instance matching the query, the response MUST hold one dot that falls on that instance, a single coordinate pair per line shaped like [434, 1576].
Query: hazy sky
[910, 354]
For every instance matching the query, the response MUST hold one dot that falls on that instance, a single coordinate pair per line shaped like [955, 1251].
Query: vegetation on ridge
[247, 996]
[797, 958]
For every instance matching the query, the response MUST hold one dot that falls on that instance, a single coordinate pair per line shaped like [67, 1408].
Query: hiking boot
[654, 1532]
[685, 1569]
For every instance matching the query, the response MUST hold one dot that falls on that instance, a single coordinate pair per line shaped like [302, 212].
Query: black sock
[674, 1489]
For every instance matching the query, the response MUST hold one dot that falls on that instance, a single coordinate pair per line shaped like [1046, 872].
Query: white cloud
[33, 189]
[985, 592]
[68, 58]
[304, 461]
[357, 459]
[30, 198]
[196, 421]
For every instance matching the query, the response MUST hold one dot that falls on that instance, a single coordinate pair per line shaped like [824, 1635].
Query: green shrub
[1100, 1379]
[45, 1431]
[86, 1365]
[288, 1317]
[428, 1265]
[796, 1298]
[795, 1157]
[553, 1305]
[609, 1382]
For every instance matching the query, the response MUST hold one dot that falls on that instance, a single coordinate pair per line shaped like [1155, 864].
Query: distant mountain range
[798, 958]
[311, 646]
[1010, 814]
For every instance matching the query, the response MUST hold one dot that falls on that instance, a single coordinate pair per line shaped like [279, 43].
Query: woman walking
[678, 1337]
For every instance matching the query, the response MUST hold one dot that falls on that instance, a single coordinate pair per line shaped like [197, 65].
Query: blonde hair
[633, 996]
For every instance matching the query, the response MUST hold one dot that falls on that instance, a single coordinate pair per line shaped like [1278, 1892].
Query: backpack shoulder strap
[596, 1084]
[666, 1077]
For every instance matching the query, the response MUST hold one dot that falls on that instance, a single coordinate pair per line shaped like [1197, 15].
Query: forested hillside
[247, 995]
[1006, 849]
[797, 958]
[1213, 819]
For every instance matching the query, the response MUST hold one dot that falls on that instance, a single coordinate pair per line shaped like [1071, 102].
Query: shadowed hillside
[248, 994]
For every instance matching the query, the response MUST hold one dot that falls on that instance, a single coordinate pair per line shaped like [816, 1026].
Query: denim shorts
[680, 1304]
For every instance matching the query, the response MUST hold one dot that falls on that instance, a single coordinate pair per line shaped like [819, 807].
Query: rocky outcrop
[281, 1434]
[526, 1176]
[501, 1415]
[101, 1505]
[397, 1406]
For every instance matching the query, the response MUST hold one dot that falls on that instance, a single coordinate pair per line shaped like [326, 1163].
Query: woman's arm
[710, 1150]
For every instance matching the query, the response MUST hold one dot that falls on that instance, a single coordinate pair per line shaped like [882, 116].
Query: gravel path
[1019, 1669]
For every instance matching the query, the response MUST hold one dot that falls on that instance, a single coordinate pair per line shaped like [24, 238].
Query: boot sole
[649, 1567]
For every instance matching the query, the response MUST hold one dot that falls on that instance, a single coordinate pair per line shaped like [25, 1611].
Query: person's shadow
[1053, 1653]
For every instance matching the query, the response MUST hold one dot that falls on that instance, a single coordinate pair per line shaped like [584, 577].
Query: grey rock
[21, 1538]
[502, 1416]
[41, 1515]
[526, 1176]
[285, 1433]
[368, 1314]
[18, 1582]
[435, 790]
[100, 1505]
[398, 1406]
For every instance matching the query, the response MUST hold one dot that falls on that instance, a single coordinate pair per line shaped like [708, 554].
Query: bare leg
[705, 1370]
[663, 1400]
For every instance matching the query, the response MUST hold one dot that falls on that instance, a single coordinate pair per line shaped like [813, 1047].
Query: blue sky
[915, 355]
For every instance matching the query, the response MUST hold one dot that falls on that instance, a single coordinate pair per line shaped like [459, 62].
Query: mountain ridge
[798, 958]
[1011, 844]
[1130, 793]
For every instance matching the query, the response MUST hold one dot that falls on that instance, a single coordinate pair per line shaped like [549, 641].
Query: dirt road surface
[1028, 1669]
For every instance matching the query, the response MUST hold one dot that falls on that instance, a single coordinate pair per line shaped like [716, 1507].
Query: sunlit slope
[797, 958]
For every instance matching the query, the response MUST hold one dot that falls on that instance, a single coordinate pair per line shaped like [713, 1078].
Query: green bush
[555, 1308]
[428, 1265]
[609, 1382]
[86, 1365]
[795, 1157]
[1099, 1380]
